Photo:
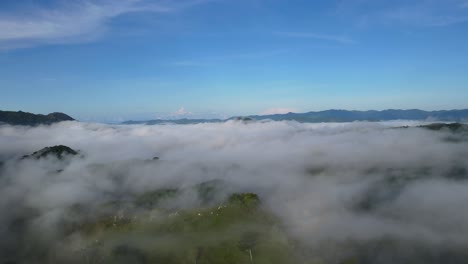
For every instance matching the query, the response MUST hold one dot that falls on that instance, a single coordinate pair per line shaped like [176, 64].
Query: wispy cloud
[308, 35]
[189, 63]
[72, 22]
[420, 17]
[217, 59]
[417, 13]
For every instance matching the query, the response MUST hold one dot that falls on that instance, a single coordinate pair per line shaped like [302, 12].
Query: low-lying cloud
[326, 182]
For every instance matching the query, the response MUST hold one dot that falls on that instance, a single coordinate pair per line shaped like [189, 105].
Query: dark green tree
[248, 242]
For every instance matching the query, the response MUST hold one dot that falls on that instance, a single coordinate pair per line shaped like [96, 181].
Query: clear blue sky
[140, 59]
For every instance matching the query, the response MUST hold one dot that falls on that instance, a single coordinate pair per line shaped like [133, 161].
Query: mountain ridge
[30, 119]
[334, 115]
[331, 115]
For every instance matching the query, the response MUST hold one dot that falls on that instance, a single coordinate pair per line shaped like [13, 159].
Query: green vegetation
[152, 199]
[59, 152]
[247, 200]
[209, 191]
[454, 127]
[29, 119]
[244, 119]
[237, 231]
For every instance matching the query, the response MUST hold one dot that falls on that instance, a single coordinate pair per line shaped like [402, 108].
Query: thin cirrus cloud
[418, 17]
[220, 59]
[74, 22]
[308, 35]
[417, 13]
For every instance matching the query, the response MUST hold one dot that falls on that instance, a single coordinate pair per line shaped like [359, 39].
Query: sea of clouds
[332, 181]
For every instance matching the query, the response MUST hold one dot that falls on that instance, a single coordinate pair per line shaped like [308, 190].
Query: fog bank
[326, 182]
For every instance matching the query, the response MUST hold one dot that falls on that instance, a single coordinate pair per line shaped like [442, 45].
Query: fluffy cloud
[181, 112]
[337, 182]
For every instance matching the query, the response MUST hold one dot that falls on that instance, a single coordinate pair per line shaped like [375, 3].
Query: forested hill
[334, 116]
[371, 115]
[30, 119]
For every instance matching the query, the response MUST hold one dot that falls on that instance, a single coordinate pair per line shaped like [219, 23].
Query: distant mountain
[335, 116]
[371, 115]
[29, 119]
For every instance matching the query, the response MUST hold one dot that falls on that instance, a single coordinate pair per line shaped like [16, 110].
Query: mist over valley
[234, 192]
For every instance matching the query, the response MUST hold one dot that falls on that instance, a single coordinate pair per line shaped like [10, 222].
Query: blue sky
[141, 59]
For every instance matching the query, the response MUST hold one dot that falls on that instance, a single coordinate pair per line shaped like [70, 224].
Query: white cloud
[182, 112]
[326, 182]
[312, 175]
[278, 110]
[73, 21]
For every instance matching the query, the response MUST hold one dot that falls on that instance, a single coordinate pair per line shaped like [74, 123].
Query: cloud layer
[358, 181]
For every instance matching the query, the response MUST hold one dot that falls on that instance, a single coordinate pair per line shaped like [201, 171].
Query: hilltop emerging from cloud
[24, 118]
